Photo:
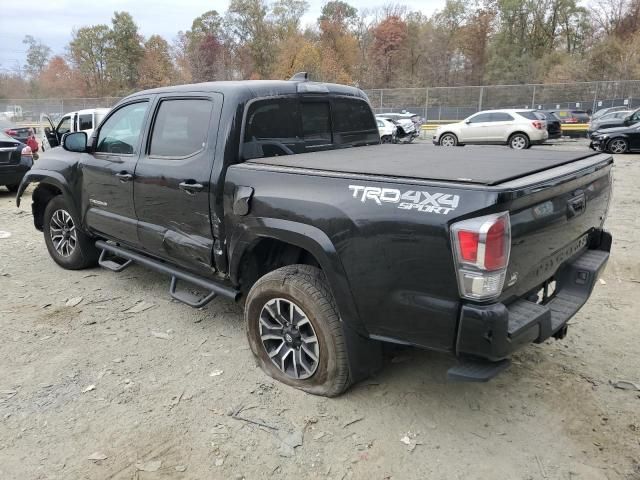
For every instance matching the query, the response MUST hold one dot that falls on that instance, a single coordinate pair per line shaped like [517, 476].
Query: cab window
[120, 133]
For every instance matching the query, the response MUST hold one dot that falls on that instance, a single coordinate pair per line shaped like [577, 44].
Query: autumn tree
[389, 36]
[57, 79]
[125, 52]
[156, 68]
[37, 56]
[88, 52]
[253, 30]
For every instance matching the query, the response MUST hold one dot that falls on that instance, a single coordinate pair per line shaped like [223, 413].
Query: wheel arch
[49, 186]
[267, 244]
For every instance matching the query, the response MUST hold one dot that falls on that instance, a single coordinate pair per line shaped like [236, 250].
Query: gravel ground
[103, 376]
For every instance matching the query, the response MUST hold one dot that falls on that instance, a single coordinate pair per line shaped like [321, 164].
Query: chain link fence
[457, 103]
[433, 103]
[30, 110]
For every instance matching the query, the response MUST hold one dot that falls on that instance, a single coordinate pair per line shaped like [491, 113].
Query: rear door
[172, 180]
[501, 123]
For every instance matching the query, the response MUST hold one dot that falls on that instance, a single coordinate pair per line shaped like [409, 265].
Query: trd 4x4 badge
[440, 203]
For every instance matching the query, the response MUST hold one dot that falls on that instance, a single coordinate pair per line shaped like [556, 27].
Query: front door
[172, 180]
[108, 172]
[476, 128]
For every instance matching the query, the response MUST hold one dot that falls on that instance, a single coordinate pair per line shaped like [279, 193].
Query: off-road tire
[84, 255]
[307, 287]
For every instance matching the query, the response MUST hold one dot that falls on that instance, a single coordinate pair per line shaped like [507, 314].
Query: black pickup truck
[277, 194]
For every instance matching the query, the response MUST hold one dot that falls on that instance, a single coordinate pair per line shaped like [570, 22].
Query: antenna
[300, 77]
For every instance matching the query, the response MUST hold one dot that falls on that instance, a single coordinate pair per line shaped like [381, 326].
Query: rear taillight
[26, 152]
[11, 133]
[538, 124]
[482, 246]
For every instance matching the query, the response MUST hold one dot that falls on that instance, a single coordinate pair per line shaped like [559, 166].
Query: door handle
[190, 187]
[124, 176]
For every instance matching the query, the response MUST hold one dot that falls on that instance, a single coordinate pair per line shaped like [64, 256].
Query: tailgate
[554, 215]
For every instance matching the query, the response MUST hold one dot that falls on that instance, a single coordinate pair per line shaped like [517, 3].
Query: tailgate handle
[576, 206]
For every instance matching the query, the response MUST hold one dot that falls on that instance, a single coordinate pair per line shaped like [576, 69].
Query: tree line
[467, 42]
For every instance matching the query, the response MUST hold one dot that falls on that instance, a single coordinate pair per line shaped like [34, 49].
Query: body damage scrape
[439, 203]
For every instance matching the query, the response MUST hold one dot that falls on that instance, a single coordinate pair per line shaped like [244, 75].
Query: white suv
[518, 128]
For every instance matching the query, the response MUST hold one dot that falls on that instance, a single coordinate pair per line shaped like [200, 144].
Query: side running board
[476, 371]
[112, 253]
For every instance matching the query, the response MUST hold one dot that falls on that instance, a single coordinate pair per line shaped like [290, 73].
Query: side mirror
[467, 122]
[75, 142]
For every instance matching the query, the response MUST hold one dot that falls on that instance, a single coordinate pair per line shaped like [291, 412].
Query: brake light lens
[538, 124]
[26, 152]
[482, 246]
[11, 133]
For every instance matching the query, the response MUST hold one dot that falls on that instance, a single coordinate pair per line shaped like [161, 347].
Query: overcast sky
[53, 20]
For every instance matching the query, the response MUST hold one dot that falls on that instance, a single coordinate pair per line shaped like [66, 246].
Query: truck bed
[473, 165]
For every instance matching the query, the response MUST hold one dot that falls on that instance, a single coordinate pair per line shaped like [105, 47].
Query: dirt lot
[95, 384]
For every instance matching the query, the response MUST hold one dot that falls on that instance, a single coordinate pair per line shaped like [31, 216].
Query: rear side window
[501, 117]
[85, 122]
[316, 122]
[528, 115]
[271, 119]
[351, 115]
[180, 128]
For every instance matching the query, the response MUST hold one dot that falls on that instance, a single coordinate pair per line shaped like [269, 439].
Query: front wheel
[69, 247]
[617, 145]
[295, 332]
[519, 141]
[448, 140]
[386, 139]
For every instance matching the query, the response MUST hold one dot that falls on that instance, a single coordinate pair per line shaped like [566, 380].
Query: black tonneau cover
[476, 165]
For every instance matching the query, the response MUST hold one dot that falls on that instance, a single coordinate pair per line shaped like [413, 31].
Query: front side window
[64, 126]
[481, 117]
[181, 127]
[85, 122]
[120, 133]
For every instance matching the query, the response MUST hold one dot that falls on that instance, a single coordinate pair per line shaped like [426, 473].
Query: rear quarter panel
[395, 264]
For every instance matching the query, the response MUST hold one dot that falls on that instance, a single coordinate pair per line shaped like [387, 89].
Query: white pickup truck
[80, 121]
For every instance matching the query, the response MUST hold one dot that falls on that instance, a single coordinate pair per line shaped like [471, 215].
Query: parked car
[570, 116]
[387, 130]
[334, 250]
[604, 111]
[609, 120]
[554, 125]
[517, 128]
[15, 161]
[21, 133]
[80, 121]
[406, 129]
[617, 140]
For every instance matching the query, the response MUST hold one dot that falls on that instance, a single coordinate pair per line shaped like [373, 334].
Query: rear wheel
[295, 332]
[448, 140]
[617, 145]
[519, 141]
[386, 139]
[69, 247]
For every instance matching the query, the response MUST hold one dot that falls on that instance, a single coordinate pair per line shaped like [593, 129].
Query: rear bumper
[12, 174]
[493, 332]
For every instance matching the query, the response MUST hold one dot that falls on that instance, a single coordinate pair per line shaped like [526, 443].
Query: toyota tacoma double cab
[277, 194]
